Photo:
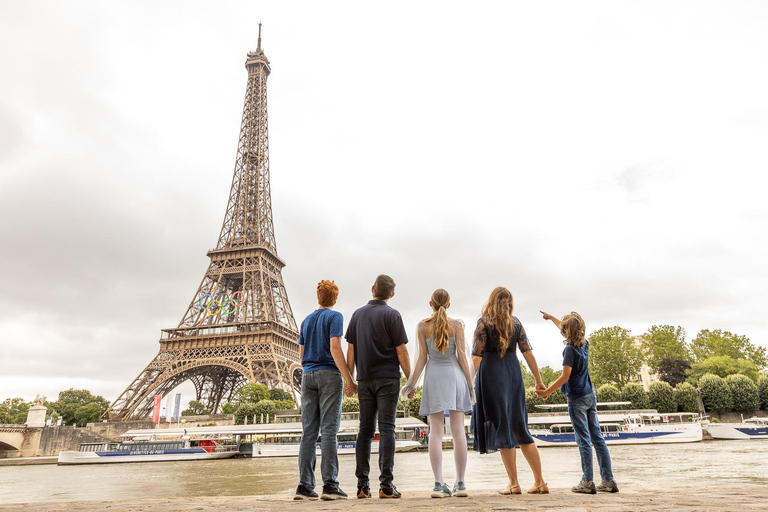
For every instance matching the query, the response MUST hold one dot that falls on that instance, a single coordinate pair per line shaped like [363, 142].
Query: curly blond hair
[573, 329]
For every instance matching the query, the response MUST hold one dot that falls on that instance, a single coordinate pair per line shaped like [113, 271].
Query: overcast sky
[603, 157]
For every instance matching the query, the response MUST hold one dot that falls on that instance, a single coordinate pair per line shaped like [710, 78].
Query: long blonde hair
[573, 328]
[498, 313]
[439, 319]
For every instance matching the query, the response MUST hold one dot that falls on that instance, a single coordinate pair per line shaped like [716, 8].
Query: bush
[608, 393]
[350, 404]
[715, 394]
[247, 410]
[278, 394]
[687, 398]
[532, 400]
[284, 405]
[662, 397]
[266, 408]
[634, 392]
[762, 390]
[557, 397]
[228, 408]
[413, 405]
[744, 393]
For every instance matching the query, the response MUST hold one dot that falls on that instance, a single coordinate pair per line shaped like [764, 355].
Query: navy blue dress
[499, 418]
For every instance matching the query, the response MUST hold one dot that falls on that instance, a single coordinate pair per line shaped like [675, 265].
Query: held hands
[350, 388]
[542, 393]
[411, 394]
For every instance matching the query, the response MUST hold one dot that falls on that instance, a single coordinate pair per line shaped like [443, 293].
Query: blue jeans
[378, 397]
[586, 427]
[321, 394]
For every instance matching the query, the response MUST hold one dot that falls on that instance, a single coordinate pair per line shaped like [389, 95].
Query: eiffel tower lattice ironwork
[239, 327]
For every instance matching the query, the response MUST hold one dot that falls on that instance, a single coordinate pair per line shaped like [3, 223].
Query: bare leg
[531, 454]
[436, 429]
[509, 457]
[459, 444]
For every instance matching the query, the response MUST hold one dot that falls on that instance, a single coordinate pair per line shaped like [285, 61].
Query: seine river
[651, 466]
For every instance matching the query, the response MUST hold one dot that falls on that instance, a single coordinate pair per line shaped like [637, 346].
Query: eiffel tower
[239, 327]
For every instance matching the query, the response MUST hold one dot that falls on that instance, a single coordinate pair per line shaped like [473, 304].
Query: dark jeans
[378, 397]
[586, 427]
[321, 394]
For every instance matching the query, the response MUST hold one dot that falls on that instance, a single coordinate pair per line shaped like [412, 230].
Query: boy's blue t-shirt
[316, 333]
[579, 384]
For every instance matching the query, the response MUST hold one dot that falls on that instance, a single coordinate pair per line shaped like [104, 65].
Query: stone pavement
[699, 498]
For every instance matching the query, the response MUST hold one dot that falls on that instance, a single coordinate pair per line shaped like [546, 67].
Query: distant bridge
[19, 440]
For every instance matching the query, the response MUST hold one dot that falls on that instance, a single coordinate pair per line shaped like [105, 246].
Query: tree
[744, 393]
[528, 380]
[532, 401]
[13, 411]
[70, 400]
[662, 397]
[265, 409]
[723, 343]
[413, 405]
[715, 394]
[88, 413]
[252, 393]
[664, 342]
[196, 408]
[228, 408]
[548, 375]
[608, 393]
[673, 371]
[350, 404]
[686, 398]
[280, 394]
[612, 357]
[634, 392]
[247, 410]
[762, 389]
[722, 366]
[284, 405]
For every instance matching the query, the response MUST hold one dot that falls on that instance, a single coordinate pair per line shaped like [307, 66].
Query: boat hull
[736, 431]
[347, 448]
[73, 457]
[683, 433]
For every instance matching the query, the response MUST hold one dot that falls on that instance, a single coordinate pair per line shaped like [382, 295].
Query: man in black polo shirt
[376, 337]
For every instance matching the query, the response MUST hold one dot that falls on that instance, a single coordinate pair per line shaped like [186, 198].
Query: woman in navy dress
[500, 419]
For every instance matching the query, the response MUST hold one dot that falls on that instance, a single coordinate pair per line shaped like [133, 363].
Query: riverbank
[713, 498]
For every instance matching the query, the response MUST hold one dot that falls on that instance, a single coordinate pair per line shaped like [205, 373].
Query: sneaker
[302, 493]
[584, 487]
[460, 490]
[332, 493]
[441, 491]
[363, 492]
[608, 486]
[389, 493]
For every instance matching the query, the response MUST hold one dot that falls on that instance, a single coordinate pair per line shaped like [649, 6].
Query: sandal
[511, 489]
[539, 489]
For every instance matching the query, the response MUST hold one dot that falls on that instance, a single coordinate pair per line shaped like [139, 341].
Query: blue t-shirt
[376, 330]
[579, 384]
[316, 333]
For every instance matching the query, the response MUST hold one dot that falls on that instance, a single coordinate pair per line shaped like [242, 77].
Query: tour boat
[618, 426]
[752, 428]
[148, 449]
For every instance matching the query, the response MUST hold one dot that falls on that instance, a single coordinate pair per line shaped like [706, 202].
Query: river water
[649, 466]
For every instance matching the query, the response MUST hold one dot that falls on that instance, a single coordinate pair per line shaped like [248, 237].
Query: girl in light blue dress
[447, 387]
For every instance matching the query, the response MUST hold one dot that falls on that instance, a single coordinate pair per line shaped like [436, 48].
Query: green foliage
[88, 413]
[247, 410]
[228, 408]
[722, 366]
[412, 406]
[608, 393]
[715, 394]
[762, 389]
[723, 343]
[686, 398]
[673, 371]
[662, 397]
[13, 411]
[744, 393]
[634, 392]
[557, 397]
[350, 404]
[284, 405]
[195, 408]
[532, 400]
[528, 380]
[71, 400]
[664, 342]
[548, 374]
[267, 408]
[612, 357]
[252, 393]
[280, 394]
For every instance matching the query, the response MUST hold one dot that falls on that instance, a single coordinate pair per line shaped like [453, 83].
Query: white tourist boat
[618, 426]
[751, 428]
[148, 449]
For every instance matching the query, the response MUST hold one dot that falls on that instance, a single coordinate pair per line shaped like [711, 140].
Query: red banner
[156, 409]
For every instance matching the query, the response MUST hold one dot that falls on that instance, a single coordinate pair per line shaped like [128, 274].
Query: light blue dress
[445, 385]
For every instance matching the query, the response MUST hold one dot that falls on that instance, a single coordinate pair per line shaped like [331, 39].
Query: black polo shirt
[375, 330]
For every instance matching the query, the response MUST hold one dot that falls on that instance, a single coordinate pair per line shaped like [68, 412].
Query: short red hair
[327, 292]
